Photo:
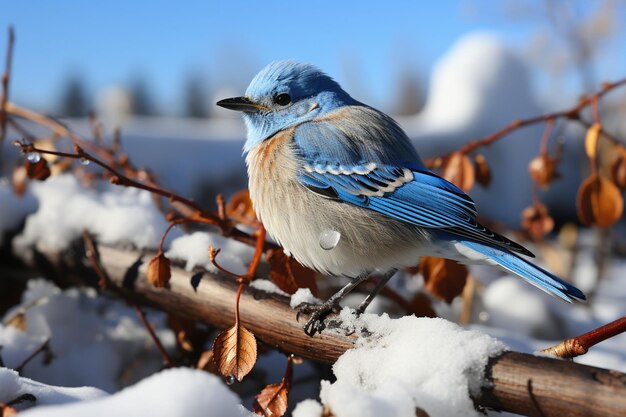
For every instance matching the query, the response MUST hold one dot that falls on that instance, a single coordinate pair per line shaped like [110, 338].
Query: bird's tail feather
[535, 275]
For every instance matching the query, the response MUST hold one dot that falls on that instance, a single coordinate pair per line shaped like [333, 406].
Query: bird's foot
[317, 314]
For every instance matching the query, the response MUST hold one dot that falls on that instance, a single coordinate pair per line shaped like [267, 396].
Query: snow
[308, 408]
[193, 249]
[115, 215]
[13, 209]
[94, 339]
[174, 392]
[303, 295]
[267, 286]
[513, 304]
[12, 386]
[392, 370]
[479, 86]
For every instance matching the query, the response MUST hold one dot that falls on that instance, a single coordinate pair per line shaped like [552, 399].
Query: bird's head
[284, 94]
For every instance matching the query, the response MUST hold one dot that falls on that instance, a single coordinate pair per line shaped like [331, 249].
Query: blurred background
[449, 71]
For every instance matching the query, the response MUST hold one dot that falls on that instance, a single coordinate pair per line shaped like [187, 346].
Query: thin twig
[45, 346]
[579, 345]
[105, 282]
[6, 76]
[572, 113]
[142, 316]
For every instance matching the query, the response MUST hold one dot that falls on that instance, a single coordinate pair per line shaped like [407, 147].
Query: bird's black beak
[241, 104]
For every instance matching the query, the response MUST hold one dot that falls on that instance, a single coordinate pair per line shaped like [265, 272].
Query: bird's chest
[274, 189]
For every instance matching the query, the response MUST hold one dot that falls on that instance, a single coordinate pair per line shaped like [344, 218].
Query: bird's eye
[282, 99]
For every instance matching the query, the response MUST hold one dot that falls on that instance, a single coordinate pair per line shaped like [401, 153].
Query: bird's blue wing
[405, 190]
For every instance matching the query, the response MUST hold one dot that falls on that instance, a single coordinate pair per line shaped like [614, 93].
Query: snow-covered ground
[104, 362]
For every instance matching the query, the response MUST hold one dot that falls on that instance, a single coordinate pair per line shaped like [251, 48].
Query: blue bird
[340, 187]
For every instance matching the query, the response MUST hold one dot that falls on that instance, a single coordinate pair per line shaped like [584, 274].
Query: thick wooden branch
[520, 383]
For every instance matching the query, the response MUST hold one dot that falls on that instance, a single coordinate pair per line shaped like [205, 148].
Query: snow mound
[94, 340]
[116, 215]
[13, 209]
[12, 386]
[174, 392]
[409, 363]
[479, 82]
[194, 250]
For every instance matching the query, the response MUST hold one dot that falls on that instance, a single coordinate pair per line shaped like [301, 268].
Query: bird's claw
[317, 313]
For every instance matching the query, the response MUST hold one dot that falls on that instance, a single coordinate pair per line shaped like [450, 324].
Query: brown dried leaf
[159, 271]
[444, 278]
[483, 172]
[618, 170]
[591, 140]
[240, 208]
[288, 274]
[7, 410]
[599, 202]
[207, 363]
[47, 144]
[234, 351]
[537, 221]
[273, 399]
[187, 335]
[458, 169]
[18, 321]
[60, 166]
[542, 170]
[19, 180]
[421, 306]
[38, 171]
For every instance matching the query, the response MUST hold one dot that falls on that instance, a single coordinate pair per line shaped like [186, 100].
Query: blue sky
[363, 44]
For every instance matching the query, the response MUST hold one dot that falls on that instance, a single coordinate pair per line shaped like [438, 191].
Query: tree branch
[519, 383]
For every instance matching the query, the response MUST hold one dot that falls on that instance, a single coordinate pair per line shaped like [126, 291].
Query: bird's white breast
[297, 218]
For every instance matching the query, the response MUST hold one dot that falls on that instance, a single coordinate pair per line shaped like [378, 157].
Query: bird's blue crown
[311, 93]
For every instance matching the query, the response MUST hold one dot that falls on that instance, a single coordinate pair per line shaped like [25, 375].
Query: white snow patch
[194, 250]
[514, 305]
[13, 209]
[94, 339]
[308, 408]
[303, 295]
[406, 363]
[116, 215]
[267, 286]
[12, 386]
[174, 392]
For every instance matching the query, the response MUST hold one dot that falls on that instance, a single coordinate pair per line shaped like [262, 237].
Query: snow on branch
[511, 381]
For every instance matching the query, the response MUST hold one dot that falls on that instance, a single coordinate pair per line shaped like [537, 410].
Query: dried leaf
[240, 208]
[187, 335]
[207, 363]
[273, 399]
[60, 166]
[19, 180]
[18, 321]
[542, 170]
[618, 170]
[288, 274]
[234, 351]
[591, 140]
[483, 172]
[599, 202]
[159, 271]
[537, 221]
[421, 306]
[47, 144]
[38, 171]
[458, 169]
[444, 278]
[7, 410]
